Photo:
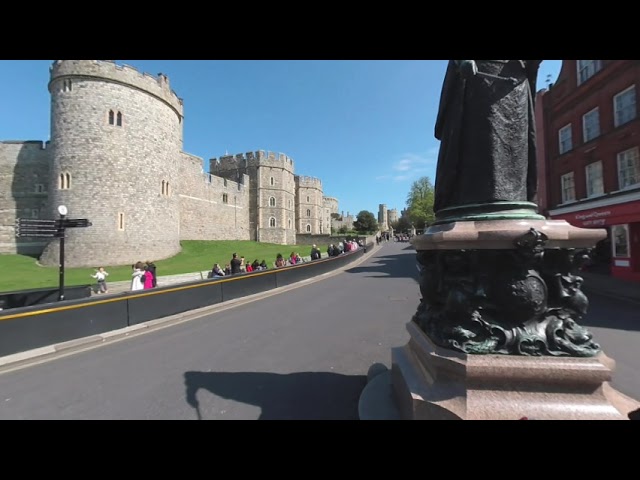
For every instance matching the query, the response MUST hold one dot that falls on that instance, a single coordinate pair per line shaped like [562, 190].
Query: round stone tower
[383, 218]
[309, 200]
[116, 137]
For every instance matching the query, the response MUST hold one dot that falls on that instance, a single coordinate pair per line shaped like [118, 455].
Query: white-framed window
[272, 201]
[587, 69]
[308, 228]
[64, 181]
[628, 168]
[620, 243]
[308, 212]
[39, 188]
[591, 125]
[121, 221]
[272, 181]
[595, 185]
[568, 187]
[272, 222]
[624, 106]
[564, 137]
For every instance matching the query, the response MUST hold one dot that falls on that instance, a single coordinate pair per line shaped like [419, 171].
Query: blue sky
[365, 127]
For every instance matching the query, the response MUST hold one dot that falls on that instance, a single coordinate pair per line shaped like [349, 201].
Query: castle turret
[116, 138]
[272, 192]
[309, 200]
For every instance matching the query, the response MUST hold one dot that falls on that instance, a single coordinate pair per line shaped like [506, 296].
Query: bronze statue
[487, 131]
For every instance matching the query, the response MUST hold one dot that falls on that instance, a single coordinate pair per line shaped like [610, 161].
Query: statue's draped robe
[487, 133]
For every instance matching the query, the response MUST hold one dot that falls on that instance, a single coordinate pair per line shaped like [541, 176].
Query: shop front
[622, 222]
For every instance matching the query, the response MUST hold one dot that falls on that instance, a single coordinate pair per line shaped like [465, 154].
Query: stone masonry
[116, 158]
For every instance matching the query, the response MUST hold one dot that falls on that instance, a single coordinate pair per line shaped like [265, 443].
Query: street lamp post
[62, 210]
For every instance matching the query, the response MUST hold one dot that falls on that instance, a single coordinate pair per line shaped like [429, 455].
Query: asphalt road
[303, 354]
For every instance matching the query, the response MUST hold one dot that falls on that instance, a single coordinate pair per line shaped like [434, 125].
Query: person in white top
[136, 281]
[101, 275]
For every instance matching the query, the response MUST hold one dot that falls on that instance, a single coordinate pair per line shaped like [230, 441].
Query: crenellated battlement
[34, 144]
[308, 182]
[108, 70]
[260, 158]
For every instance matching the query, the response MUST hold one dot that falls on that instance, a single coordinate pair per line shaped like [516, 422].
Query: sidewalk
[602, 284]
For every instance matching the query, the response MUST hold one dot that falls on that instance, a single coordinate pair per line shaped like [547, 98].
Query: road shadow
[398, 266]
[294, 396]
[605, 312]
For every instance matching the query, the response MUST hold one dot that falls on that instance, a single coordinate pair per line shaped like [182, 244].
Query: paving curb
[43, 354]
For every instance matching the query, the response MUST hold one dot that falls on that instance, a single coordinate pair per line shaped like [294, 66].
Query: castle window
[39, 188]
[112, 117]
[121, 221]
[165, 188]
[35, 213]
[225, 182]
[308, 199]
[289, 223]
[272, 181]
[66, 86]
[119, 119]
[308, 228]
[272, 202]
[225, 198]
[64, 181]
[272, 222]
[308, 212]
[289, 203]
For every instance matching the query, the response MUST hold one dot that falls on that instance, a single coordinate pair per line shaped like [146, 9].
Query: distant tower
[272, 192]
[309, 200]
[382, 218]
[330, 207]
[116, 137]
[392, 216]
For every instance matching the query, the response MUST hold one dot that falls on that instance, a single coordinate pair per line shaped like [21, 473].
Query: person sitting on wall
[216, 271]
[315, 253]
[280, 261]
[256, 265]
[263, 265]
[227, 270]
[292, 258]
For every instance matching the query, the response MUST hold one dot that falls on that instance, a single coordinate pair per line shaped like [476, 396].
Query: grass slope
[19, 272]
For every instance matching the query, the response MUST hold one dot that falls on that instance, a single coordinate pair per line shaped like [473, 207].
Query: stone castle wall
[211, 207]
[116, 158]
[24, 183]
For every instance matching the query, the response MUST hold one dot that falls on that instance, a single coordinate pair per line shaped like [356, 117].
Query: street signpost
[36, 228]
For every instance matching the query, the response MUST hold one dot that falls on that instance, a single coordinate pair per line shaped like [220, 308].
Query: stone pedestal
[497, 333]
[433, 383]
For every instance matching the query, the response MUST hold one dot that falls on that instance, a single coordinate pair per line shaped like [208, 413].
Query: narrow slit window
[119, 119]
[121, 221]
[112, 117]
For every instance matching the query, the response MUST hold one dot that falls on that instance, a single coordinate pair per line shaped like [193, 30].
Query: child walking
[101, 275]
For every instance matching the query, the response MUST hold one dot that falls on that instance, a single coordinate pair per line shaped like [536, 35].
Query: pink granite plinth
[501, 234]
[433, 383]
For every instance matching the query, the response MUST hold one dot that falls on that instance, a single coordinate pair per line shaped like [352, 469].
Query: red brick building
[591, 145]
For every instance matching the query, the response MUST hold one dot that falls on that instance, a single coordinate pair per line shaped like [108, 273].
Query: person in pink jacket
[148, 278]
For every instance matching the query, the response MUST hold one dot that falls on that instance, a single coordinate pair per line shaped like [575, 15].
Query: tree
[402, 225]
[365, 222]
[420, 203]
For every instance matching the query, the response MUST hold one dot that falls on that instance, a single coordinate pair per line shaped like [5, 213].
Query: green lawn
[19, 272]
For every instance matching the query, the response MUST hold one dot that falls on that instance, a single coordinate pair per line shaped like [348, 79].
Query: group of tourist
[344, 247]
